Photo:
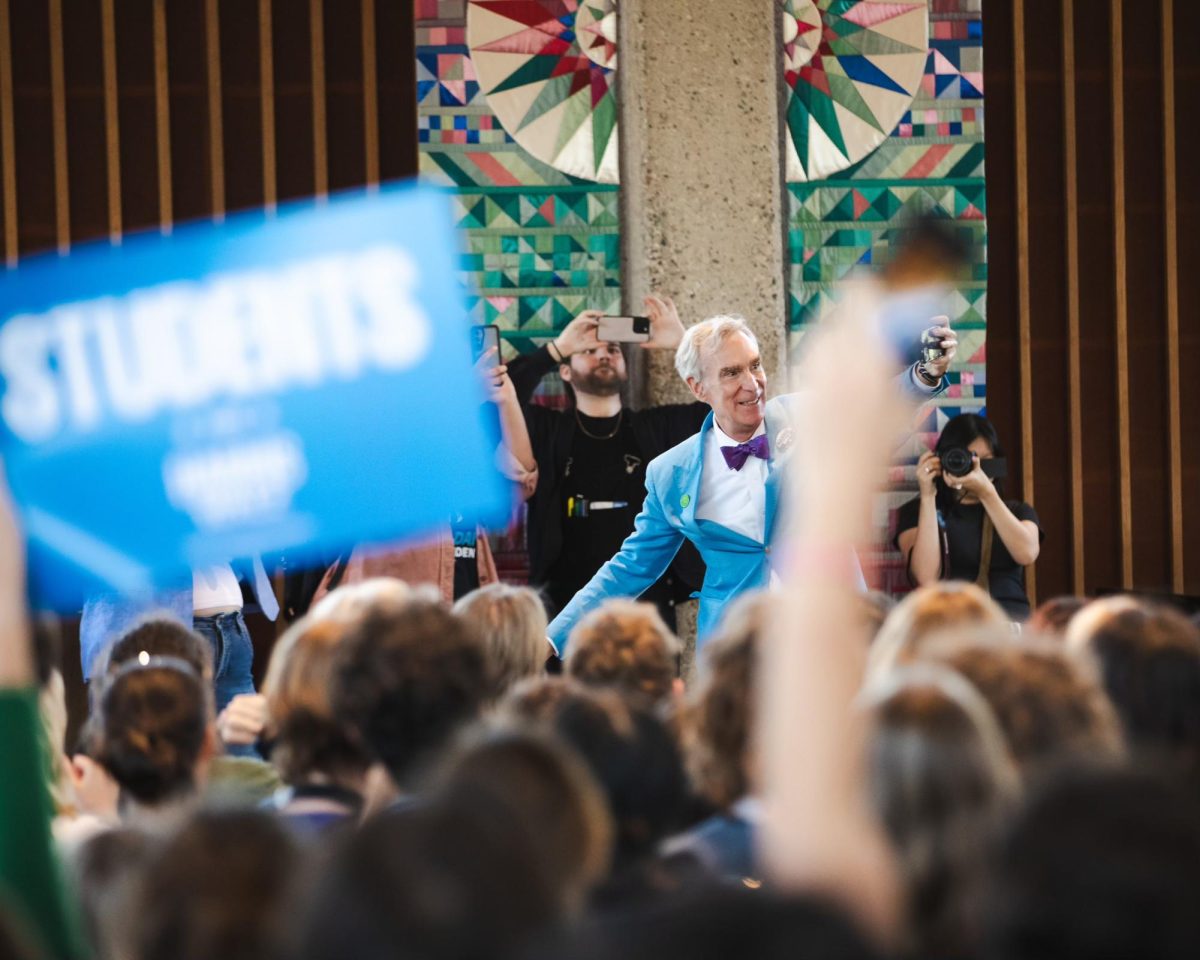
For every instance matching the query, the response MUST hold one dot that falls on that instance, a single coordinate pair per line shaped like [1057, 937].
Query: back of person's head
[406, 679]
[1098, 864]
[354, 601]
[941, 780]
[629, 751]
[161, 637]
[720, 705]
[308, 739]
[448, 879]
[624, 645]
[512, 622]
[1149, 662]
[223, 886]
[926, 613]
[717, 924]
[106, 872]
[153, 730]
[1049, 706]
[1051, 617]
[536, 779]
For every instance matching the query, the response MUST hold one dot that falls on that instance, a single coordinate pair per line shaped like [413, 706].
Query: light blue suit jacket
[735, 562]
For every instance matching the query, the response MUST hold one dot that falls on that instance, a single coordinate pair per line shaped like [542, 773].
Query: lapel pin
[783, 440]
[685, 500]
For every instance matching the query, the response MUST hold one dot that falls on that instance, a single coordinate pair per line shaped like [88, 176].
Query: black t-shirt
[964, 535]
[466, 550]
[606, 466]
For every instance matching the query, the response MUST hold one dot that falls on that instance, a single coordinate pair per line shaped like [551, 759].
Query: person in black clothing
[945, 532]
[592, 459]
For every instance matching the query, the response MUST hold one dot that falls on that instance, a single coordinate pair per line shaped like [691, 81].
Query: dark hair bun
[153, 723]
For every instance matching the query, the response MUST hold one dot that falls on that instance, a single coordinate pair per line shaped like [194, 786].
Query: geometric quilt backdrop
[856, 70]
[541, 245]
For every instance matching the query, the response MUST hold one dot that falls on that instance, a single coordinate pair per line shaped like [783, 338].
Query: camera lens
[956, 461]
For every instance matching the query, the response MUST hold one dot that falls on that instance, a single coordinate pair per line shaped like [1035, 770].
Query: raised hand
[666, 329]
[579, 334]
[949, 344]
[242, 722]
[929, 468]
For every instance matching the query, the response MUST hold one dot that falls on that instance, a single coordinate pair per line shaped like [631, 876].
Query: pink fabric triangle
[861, 205]
[868, 14]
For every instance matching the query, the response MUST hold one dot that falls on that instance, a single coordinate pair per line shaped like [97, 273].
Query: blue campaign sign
[291, 383]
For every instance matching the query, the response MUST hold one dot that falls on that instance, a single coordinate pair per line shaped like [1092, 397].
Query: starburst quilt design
[547, 68]
[853, 68]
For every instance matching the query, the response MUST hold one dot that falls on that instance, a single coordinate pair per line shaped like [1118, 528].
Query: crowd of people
[837, 781]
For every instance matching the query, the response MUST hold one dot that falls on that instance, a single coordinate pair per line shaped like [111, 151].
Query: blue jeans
[233, 655]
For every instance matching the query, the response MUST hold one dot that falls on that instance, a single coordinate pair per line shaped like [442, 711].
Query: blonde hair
[354, 601]
[300, 716]
[695, 343]
[512, 622]
[926, 612]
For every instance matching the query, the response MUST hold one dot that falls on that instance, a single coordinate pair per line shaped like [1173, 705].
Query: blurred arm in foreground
[819, 834]
[30, 883]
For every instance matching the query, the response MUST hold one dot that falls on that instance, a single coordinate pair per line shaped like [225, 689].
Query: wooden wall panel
[344, 97]
[1187, 118]
[1048, 374]
[191, 173]
[1116, 174]
[112, 81]
[33, 125]
[86, 124]
[1145, 224]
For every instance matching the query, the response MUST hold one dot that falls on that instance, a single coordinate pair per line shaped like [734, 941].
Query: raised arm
[29, 870]
[528, 370]
[642, 559]
[921, 545]
[518, 459]
[819, 833]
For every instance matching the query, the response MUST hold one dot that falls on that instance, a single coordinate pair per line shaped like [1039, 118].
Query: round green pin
[685, 500]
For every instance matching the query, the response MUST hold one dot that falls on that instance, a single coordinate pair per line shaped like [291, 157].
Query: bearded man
[592, 459]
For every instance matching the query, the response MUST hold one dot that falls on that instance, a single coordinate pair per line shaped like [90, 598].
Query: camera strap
[983, 578]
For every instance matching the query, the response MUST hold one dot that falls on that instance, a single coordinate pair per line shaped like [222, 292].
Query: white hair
[696, 341]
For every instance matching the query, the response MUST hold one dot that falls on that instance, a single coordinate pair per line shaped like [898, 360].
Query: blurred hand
[579, 334]
[500, 386]
[666, 329]
[243, 721]
[929, 468]
[849, 450]
[949, 343]
[96, 792]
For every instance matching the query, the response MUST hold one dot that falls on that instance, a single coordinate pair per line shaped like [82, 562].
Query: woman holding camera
[960, 527]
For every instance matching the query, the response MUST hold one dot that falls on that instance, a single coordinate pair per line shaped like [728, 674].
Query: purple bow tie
[737, 456]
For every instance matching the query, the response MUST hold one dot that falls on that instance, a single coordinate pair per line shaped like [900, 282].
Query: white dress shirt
[736, 499]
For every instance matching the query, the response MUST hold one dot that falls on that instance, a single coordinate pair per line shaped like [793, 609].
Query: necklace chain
[596, 436]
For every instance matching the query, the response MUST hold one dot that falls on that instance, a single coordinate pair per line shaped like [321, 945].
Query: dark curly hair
[407, 679]
[152, 730]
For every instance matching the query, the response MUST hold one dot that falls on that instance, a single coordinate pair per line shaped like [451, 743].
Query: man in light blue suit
[719, 489]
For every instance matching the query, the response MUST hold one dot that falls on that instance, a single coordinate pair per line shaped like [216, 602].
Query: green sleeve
[29, 868]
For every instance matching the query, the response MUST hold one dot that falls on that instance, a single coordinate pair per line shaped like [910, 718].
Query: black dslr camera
[956, 462]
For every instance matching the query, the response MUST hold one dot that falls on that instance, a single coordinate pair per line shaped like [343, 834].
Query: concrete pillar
[701, 168]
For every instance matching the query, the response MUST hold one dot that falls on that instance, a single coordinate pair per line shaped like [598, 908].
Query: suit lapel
[687, 476]
[778, 426]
